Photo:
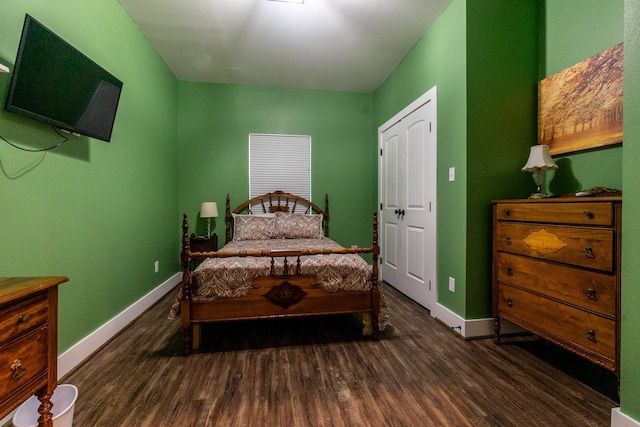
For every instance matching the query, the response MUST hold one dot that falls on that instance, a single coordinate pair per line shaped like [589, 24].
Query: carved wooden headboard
[278, 201]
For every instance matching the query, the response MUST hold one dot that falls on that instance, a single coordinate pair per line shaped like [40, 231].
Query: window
[279, 162]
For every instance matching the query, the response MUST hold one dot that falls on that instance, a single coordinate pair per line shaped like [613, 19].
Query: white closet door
[392, 249]
[407, 203]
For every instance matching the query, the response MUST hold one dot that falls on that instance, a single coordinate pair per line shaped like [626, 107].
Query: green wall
[482, 55]
[100, 213]
[439, 59]
[630, 363]
[214, 127]
[502, 60]
[574, 31]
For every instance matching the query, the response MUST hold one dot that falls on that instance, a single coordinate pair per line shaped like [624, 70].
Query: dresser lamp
[209, 210]
[538, 164]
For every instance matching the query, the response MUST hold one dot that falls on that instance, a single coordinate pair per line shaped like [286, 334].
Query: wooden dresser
[556, 272]
[28, 342]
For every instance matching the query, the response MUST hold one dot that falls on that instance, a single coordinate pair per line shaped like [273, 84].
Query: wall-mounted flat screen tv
[55, 83]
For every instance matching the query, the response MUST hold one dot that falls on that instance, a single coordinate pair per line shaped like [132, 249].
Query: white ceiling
[345, 45]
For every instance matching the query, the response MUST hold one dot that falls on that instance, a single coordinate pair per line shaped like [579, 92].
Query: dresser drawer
[585, 247]
[21, 316]
[576, 328]
[28, 355]
[565, 213]
[585, 289]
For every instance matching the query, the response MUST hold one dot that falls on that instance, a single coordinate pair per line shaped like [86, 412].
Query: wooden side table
[202, 244]
[29, 342]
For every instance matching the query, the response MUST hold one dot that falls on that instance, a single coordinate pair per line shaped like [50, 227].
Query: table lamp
[538, 163]
[209, 210]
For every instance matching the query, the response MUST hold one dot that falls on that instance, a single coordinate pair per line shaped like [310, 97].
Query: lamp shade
[539, 159]
[209, 210]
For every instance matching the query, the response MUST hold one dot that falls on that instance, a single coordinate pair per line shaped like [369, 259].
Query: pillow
[298, 226]
[253, 227]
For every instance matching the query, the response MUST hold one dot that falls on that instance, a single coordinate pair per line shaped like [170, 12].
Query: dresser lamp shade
[538, 163]
[209, 210]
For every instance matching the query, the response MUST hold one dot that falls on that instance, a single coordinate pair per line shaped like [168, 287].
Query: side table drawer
[578, 328]
[19, 317]
[591, 248]
[583, 288]
[23, 362]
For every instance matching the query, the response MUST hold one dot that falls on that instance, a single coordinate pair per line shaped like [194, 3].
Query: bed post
[227, 220]
[326, 215]
[185, 301]
[375, 292]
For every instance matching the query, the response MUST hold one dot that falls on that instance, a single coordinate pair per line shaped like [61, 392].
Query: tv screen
[55, 83]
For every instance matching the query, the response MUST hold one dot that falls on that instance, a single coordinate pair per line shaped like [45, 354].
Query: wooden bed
[285, 288]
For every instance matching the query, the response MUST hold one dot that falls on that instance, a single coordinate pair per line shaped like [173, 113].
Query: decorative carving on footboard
[285, 295]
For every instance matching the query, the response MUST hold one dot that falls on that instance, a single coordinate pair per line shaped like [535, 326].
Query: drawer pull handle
[591, 294]
[509, 271]
[588, 252]
[507, 212]
[589, 215]
[507, 240]
[18, 370]
[509, 302]
[591, 335]
[24, 318]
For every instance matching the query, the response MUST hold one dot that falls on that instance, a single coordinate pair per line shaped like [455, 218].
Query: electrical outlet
[452, 174]
[354, 246]
[452, 284]
[156, 266]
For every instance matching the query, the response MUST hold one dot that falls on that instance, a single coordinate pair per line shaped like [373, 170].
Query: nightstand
[202, 244]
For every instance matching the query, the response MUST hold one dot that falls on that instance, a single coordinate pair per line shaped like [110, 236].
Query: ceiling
[344, 45]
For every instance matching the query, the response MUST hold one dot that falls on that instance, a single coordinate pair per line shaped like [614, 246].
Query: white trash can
[63, 399]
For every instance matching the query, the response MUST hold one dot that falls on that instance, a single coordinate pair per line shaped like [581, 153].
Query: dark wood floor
[321, 372]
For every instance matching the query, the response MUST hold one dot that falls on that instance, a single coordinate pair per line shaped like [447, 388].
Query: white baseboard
[619, 419]
[472, 328]
[84, 348]
[71, 358]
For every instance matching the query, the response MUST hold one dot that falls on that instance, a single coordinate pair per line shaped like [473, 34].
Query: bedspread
[233, 276]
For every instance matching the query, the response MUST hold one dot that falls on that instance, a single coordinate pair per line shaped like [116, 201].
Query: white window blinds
[279, 162]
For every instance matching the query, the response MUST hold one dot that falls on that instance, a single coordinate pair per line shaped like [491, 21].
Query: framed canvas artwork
[581, 107]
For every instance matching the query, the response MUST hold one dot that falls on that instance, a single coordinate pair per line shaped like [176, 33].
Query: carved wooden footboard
[285, 291]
